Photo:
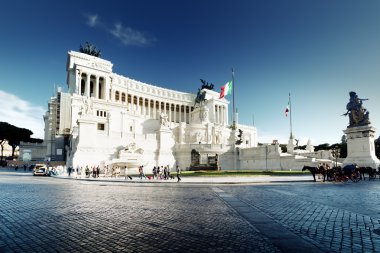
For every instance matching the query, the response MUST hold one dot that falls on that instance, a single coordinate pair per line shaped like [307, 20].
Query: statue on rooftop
[206, 85]
[201, 97]
[358, 115]
[90, 49]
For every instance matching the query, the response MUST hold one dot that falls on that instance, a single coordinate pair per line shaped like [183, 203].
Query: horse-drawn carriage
[337, 174]
[349, 172]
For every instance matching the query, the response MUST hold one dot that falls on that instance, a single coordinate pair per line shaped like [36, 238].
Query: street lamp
[336, 154]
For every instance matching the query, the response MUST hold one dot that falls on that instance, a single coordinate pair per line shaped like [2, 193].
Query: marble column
[88, 85]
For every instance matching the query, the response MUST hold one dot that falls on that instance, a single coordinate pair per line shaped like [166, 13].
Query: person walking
[87, 172]
[126, 173]
[97, 171]
[105, 171]
[165, 173]
[178, 174]
[141, 170]
[155, 173]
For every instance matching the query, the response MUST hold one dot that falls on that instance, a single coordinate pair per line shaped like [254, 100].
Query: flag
[226, 89]
[287, 109]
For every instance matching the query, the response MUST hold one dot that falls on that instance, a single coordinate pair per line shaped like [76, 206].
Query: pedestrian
[154, 173]
[178, 173]
[69, 170]
[105, 171]
[165, 173]
[126, 173]
[93, 171]
[97, 171]
[141, 170]
[87, 171]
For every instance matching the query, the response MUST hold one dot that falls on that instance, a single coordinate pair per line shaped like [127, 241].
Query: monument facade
[103, 114]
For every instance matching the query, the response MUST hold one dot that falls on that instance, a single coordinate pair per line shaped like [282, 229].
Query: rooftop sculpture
[201, 97]
[90, 49]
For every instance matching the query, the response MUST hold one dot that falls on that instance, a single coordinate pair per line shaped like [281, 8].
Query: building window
[101, 126]
[123, 97]
[131, 129]
[117, 96]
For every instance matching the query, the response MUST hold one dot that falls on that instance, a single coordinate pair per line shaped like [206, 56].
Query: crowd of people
[158, 172]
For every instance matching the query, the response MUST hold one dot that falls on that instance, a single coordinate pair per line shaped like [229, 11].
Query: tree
[14, 135]
[324, 146]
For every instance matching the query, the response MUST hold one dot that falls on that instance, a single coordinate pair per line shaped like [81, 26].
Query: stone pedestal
[165, 147]
[86, 130]
[200, 115]
[291, 145]
[361, 146]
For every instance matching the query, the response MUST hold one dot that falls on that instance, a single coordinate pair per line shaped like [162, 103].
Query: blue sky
[316, 50]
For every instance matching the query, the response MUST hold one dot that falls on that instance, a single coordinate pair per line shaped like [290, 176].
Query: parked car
[40, 170]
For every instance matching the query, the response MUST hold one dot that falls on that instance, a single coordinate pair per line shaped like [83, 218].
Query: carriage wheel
[355, 178]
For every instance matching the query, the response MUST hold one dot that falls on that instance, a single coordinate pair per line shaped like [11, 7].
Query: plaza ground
[45, 214]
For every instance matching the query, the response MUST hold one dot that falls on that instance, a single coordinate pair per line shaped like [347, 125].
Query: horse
[369, 170]
[316, 170]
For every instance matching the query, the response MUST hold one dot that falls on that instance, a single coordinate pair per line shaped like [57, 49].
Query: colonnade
[152, 108]
[220, 114]
[92, 86]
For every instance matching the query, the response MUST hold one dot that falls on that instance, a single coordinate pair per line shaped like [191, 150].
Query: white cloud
[126, 35]
[22, 113]
[92, 20]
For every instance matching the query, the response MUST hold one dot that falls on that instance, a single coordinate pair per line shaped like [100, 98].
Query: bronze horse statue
[316, 170]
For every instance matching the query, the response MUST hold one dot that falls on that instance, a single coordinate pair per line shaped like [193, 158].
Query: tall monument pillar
[360, 135]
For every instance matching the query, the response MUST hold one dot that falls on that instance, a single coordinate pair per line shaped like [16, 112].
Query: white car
[40, 170]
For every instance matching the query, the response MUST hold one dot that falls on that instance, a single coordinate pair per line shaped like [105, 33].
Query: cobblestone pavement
[42, 214]
[338, 217]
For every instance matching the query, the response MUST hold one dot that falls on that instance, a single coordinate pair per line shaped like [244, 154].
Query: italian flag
[287, 109]
[226, 89]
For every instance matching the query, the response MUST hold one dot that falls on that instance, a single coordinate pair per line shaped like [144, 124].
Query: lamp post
[336, 153]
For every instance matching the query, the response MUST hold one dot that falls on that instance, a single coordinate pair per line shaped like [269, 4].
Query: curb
[179, 183]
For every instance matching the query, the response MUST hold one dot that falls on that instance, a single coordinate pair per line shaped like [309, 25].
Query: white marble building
[105, 118]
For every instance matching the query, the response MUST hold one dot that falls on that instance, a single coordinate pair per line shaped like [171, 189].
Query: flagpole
[233, 101]
[233, 116]
[290, 117]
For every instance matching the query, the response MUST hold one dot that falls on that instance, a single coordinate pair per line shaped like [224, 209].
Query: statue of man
[357, 114]
[163, 119]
